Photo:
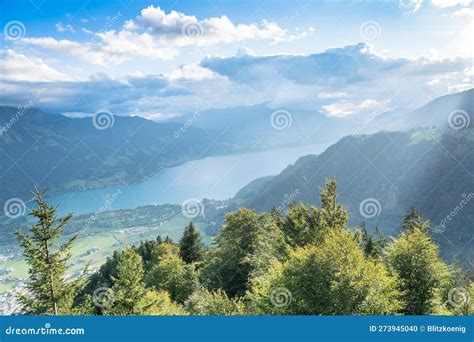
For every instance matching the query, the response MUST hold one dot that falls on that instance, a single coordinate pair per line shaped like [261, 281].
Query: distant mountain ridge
[264, 126]
[390, 172]
[51, 150]
[436, 113]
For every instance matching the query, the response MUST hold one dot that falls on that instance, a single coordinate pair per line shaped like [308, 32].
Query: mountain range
[381, 176]
[61, 153]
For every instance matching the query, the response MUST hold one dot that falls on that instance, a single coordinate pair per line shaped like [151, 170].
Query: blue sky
[160, 59]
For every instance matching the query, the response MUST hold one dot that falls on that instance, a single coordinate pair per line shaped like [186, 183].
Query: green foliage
[332, 278]
[204, 302]
[372, 245]
[247, 244]
[128, 286]
[159, 303]
[170, 273]
[49, 291]
[436, 155]
[332, 215]
[414, 258]
[145, 250]
[303, 262]
[190, 245]
[414, 220]
[303, 225]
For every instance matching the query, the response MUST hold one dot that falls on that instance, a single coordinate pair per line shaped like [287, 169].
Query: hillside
[432, 170]
[51, 150]
[436, 113]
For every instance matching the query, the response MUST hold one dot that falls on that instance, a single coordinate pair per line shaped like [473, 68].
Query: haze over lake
[218, 177]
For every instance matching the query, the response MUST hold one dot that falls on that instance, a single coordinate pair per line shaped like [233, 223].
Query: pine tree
[332, 215]
[414, 220]
[49, 293]
[303, 225]
[247, 245]
[190, 245]
[128, 287]
[414, 257]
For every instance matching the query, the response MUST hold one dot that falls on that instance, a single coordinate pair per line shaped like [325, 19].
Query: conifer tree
[49, 292]
[414, 220]
[303, 225]
[128, 287]
[414, 257]
[190, 245]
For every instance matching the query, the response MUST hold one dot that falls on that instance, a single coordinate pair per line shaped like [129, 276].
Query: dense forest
[297, 260]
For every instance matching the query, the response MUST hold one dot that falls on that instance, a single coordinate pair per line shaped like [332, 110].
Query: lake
[218, 177]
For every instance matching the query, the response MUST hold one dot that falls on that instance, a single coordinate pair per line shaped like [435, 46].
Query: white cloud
[106, 48]
[155, 34]
[191, 72]
[368, 107]
[464, 12]
[18, 67]
[411, 6]
[450, 3]
[179, 29]
[352, 81]
[64, 28]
